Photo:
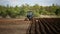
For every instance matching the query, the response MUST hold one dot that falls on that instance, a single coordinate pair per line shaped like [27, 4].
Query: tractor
[29, 15]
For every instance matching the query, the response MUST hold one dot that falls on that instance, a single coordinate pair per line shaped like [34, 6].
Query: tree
[3, 14]
[22, 13]
[57, 11]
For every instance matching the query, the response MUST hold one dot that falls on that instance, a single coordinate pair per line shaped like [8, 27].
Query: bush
[36, 14]
[3, 14]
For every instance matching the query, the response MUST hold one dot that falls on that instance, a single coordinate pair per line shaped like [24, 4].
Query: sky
[30, 2]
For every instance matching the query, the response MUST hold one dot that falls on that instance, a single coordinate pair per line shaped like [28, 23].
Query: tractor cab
[30, 15]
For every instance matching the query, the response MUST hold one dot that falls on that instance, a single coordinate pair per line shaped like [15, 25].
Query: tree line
[22, 10]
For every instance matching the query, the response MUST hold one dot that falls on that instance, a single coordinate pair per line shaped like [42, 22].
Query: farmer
[29, 15]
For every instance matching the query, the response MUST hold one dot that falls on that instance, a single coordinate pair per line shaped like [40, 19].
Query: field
[45, 26]
[13, 26]
[36, 26]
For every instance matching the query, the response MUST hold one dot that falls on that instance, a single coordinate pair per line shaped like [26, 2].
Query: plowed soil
[35, 26]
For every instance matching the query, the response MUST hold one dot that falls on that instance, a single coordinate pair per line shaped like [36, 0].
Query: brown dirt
[37, 26]
[13, 26]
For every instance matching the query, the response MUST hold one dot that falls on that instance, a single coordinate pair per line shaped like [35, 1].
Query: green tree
[57, 11]
[22, 13]
[3, 14]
